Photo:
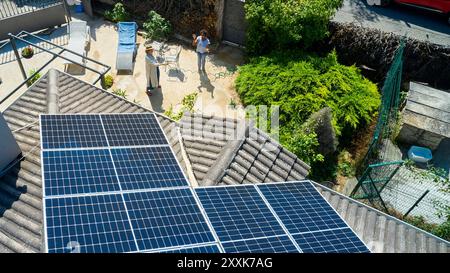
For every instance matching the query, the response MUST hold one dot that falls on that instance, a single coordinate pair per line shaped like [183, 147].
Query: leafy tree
[277, 24]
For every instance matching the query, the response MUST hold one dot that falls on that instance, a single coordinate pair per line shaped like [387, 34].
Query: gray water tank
[9, 149]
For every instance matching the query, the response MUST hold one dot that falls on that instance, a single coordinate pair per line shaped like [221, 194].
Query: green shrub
[277, 24]
[156, 27]
[303, 84]
[33, 79]
[187, 103]
[301, 142]
[117, 14]
[120, 92]
[107, 82]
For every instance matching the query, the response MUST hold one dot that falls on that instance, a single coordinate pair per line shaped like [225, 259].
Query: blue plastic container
[420, 154]
[79, 8]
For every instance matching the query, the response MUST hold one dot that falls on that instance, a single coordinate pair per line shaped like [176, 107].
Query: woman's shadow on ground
[205, 83]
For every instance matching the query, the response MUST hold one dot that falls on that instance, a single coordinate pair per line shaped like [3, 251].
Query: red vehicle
[440, 6]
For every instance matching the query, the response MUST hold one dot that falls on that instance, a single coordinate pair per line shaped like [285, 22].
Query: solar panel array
[113, 184]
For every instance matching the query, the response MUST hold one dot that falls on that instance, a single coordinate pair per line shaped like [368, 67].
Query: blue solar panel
[78, 172]
[300, 207]
[279, 244]
[146, 168]
[72, 131]
[330, 241]
[167, 218]
[195, 249]
[133, 130]
[238, 213]
[88, 224]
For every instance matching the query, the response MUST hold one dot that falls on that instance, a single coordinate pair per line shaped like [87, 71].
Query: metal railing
[10, 8]
[19, 37]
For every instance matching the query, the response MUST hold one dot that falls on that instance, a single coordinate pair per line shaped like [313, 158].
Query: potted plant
[27, 52]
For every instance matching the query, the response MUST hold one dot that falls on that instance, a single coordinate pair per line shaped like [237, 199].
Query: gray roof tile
[254, 158]
[382, 232]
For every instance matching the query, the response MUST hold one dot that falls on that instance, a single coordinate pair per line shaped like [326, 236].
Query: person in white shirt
[151, 70]
[202, 43]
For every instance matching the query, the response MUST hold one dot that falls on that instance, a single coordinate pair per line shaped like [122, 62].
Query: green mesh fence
[388, 111]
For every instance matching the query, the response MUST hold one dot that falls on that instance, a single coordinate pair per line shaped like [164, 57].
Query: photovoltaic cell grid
[70, 172]
[94, 224]
[72, 131]
[87, 203]
[167, 218]
[330, 241]
[279, 244]
[244, 222]
[133, 130]
[238, 213]
[313, 223]
[300, 207]
[147, 167]
[242, 217]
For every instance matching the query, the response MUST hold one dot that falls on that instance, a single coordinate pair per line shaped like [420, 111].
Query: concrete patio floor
[215, 90]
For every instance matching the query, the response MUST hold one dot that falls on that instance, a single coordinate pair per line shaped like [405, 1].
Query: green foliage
[120, 92]
[302, 142]
[442, 230]
[346, 166]
[187, 103]
[117, 14]
[277, 24]
[27, 52]
[302, 84]
[107, 82]
[156, 27]
[233, 103]
[33, 79]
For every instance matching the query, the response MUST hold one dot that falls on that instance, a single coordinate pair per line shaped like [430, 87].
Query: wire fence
[10, 8]
[388, 112]
[398, 188]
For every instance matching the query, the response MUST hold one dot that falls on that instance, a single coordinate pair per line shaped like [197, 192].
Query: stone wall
[415, 136]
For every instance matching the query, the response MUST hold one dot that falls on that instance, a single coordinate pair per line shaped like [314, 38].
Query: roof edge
[381, 212]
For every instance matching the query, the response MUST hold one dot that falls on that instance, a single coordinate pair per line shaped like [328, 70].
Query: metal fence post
[416, 203]
[16, 52]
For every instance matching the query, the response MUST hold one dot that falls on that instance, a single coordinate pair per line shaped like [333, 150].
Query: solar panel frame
[304, 210]
[133, 130]
[272, 244]
[140, 168]
[342, 240]
[109, 148]
[120, 227]
[316, 191]
[184, 224]
[83, 180]
[289, 237]
[217, 211]
[209, 248]
[83, 126]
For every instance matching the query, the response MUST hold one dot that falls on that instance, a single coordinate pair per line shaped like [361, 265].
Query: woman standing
[151, 70]
[202, 43]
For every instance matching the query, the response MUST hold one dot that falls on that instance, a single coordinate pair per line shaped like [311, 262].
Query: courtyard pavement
[215, 89]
